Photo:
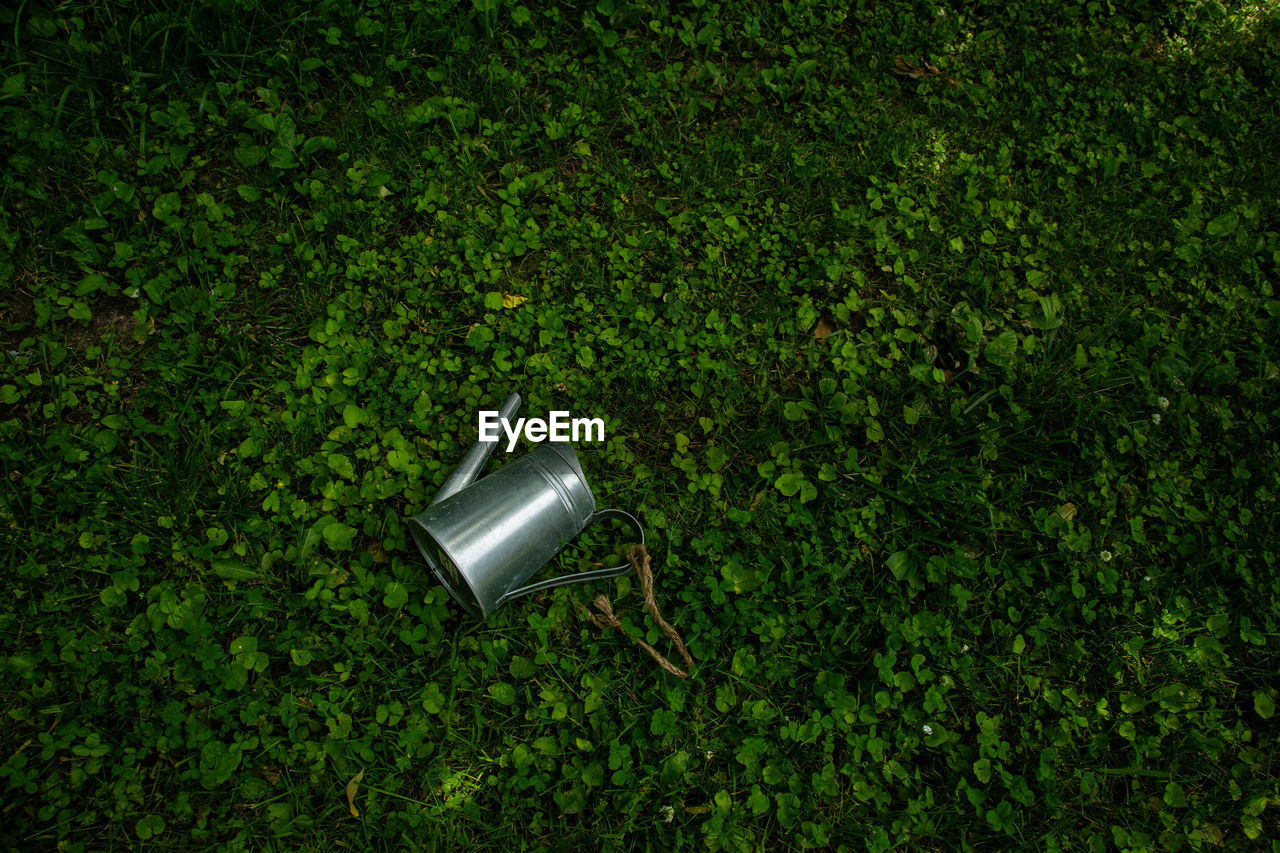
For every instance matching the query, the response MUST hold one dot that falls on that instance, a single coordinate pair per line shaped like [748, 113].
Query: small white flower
[667, 813]
[1147, 578]
[964, 648]
[708, 754]
[1156, 418]
[928, 729]
[1164, 402]
[1106, 556]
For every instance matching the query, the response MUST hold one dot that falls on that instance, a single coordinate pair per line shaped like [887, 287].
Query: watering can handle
[594, 574]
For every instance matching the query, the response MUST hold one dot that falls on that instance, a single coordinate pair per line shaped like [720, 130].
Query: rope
[638, 556]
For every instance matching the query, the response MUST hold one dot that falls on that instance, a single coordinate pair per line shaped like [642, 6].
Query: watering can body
[484, 538]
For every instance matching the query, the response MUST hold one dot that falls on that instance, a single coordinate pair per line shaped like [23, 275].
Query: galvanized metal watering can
[485, 538]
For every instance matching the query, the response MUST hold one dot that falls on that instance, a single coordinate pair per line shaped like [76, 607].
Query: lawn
[938, 351]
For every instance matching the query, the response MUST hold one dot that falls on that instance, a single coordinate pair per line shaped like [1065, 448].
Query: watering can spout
[473, 463]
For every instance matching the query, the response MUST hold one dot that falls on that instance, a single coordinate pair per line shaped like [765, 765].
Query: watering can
[485, 538]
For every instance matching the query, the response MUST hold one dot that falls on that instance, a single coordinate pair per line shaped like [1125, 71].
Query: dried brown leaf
[352, 787]
[915, 72]
[823, 330]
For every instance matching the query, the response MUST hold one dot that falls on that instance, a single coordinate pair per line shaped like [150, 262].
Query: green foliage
[948, 397]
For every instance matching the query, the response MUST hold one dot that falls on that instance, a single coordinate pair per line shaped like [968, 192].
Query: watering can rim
[427, 547]
[569, 454]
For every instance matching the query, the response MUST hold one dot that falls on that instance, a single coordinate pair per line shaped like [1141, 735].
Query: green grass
[948, 404]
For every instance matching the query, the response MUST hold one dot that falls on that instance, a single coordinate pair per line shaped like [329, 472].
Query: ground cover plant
[937, 348]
